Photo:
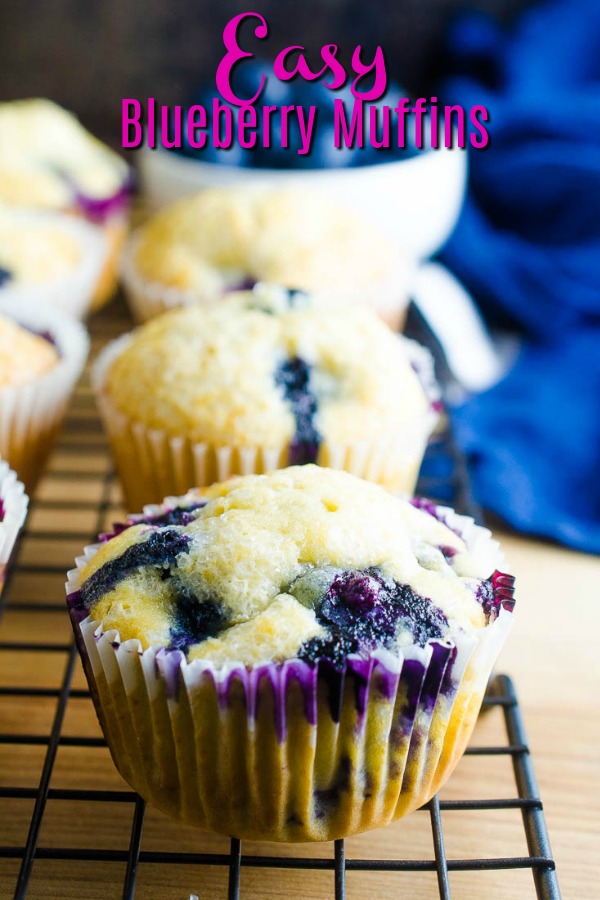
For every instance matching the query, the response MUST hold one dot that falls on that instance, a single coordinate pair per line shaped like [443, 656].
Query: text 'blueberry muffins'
[49, 161]
[265, 378]
[42, 353]
[295, 656]
[224, 239]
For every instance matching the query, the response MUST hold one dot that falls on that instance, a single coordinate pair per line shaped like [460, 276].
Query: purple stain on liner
[411, 679]
[422, 684]
[168, 665]
[448, 685]
[434, 676]
[428, 506]
[76, 606]
[504, 588]
[118, 528]
[332, 676]
[325, 798]
[306, 677]
[494, 593]
[100, 209]
[360, 672]
[178, 515]
[386, 680]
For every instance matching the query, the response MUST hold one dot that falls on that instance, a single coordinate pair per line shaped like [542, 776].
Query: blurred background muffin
[49, 161]
[262, 379]
[49, 257]
[224, 239]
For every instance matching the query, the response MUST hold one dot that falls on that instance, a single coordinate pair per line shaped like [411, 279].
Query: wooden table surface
[552, 654]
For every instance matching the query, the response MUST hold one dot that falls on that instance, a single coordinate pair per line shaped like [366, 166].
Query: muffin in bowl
[224, 239]
[296, 656]
[49, 161]
[263, 379]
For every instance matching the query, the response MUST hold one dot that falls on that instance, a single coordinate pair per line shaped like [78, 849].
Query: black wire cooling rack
[80, 487]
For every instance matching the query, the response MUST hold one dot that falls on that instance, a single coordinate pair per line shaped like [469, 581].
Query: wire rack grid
[40, 680]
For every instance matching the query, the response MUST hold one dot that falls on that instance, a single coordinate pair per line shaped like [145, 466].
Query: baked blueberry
[159, 550]
[293, 376]
[195, 618]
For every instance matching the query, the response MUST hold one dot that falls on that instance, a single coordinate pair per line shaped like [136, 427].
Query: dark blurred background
[89, 55]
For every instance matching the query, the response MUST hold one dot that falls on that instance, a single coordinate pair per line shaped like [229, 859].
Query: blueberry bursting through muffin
[360, 610]
[5, 276]
[294, 377]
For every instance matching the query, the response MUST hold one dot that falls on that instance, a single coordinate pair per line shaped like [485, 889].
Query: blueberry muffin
[13, 509]
[24, 355]
[49, 161]
[294, 656]
[224, 239]
[42, 353]
[49, 257]
[263, 379]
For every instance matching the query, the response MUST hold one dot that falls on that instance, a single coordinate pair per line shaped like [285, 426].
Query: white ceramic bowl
[416, 200]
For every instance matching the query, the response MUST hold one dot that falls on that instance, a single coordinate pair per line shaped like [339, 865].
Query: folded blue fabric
[527, 246]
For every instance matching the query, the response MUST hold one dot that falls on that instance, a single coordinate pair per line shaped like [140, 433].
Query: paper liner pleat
[31, 414]
[239, 755]
[13, 511]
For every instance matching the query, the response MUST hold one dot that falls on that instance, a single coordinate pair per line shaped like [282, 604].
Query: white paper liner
[13, 510]
[31, 414]
[153, 464]
[115, 230]
[148, 299]
[260, 753]
[71, 293]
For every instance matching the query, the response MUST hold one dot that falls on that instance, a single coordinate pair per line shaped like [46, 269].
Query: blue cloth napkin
[527, 246]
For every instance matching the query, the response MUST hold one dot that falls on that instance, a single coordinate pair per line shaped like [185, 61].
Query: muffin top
[271, 368]
[47, 159]
[223, 238]
[24, 356]
[34, 250]
[304, 563]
